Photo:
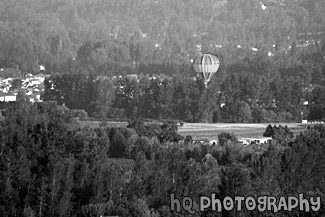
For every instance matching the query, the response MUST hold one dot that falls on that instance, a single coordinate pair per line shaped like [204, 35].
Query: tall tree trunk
[52, 195]
[41, 202]
[28, 190]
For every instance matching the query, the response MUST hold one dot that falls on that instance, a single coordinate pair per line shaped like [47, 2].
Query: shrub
[80, 114]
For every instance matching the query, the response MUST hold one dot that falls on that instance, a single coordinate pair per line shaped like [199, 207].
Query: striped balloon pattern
[206, 64]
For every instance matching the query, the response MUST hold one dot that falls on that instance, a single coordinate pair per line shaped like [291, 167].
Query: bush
[223, 138]
[80, 114]
[279, 133]
[118, 145]
[142, 144]
[286, 117]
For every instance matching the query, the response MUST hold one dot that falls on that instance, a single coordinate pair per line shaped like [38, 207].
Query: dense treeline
[242, 98]
[50, 166]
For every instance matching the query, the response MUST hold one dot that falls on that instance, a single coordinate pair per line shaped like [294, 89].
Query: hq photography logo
[261, 203]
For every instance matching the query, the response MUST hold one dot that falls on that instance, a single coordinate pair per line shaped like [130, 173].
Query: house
[200, 141]
[131, 77]
[7, 97]
[41, 68]
[205, 142]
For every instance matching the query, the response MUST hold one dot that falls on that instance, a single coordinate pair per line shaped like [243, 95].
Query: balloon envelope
[206, 64]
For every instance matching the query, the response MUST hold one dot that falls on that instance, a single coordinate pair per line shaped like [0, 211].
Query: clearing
[212, 130]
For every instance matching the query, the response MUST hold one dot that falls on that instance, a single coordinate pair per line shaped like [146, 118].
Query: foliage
[164, 132]
[80, 114]
[224, 138]
[281, 134]
[50, 166]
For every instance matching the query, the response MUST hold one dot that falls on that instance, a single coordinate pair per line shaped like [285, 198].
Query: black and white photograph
[162, 108]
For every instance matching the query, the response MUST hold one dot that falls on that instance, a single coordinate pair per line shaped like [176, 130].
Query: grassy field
[212, 130]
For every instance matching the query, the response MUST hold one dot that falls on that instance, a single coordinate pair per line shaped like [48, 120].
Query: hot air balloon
[206, 64]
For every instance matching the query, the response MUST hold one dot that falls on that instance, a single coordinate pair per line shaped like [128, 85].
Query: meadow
[212, 130]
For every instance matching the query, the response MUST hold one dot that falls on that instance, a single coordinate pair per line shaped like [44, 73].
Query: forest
[51, 166]
[272, 63]
[272, 57]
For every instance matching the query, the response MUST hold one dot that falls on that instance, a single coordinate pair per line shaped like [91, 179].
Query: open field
[212, 130]
[207, 130]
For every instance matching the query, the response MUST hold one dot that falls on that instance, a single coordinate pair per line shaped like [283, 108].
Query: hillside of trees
[104, 35]
[264, 71]
[50, 166]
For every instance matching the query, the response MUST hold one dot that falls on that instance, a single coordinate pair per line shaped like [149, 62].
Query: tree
[140, 128]
[316, 112]
[243, 112]
[282, 135]
[105, 95]
[268, 131]
[118, 144]
[235, 180]
[188, 139]
[22, 97]
[142, 145]
[238, 112]
[224, 138]
[259, 115]
[318, 95]
[169, 133]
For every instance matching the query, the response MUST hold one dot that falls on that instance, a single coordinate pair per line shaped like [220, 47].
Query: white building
[259, 141]
[8, 98]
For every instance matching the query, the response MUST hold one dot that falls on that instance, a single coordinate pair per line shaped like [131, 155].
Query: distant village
[31, 86]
